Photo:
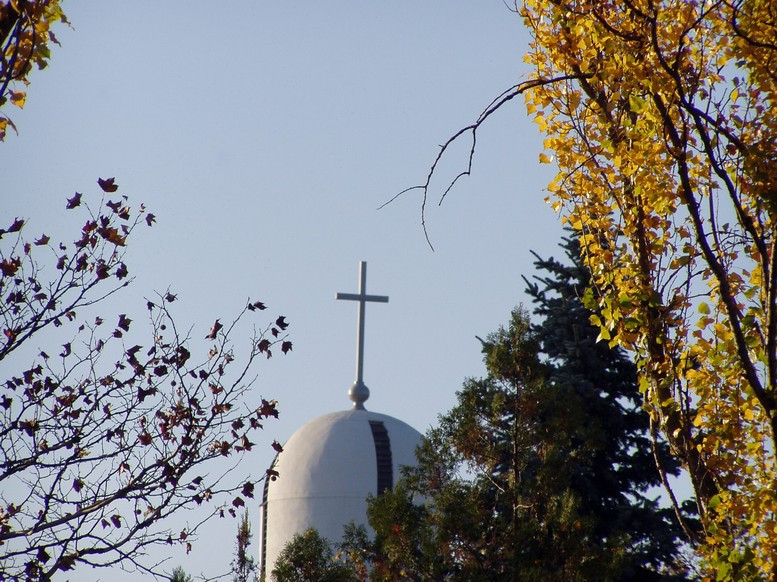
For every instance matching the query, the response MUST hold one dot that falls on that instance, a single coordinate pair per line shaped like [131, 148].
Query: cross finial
[359, 392]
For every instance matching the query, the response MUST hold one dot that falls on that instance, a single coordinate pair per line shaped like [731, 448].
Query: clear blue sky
[264, 135]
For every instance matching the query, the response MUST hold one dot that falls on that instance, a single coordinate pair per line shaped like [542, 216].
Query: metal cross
[359, 392]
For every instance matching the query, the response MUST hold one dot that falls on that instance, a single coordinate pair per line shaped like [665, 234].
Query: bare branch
[105, 439]
[472, 129]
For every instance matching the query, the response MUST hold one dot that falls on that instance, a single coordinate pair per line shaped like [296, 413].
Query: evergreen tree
[308, 557]
[497, 475]
[613, 478]
[180, 575]
[540, 471]
[244, 565]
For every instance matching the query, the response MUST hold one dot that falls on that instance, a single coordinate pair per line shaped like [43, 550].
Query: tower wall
[327, 470]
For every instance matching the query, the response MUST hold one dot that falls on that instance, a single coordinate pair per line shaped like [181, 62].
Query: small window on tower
[383, 456]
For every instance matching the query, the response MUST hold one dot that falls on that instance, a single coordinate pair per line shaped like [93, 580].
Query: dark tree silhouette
[542, 469]
[243, 566]
[103, 439]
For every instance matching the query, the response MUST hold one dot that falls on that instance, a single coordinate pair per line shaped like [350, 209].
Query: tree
[666, 149]
[180, 575]
[244, 566]
[308, 557]
[25, 34]
[659, 115]
[103, 437]
[625, 460]
[510, 479]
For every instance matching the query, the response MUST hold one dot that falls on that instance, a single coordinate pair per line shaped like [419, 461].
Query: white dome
[327, 470]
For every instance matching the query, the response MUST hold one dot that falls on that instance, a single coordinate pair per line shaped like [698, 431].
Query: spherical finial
[358, 393]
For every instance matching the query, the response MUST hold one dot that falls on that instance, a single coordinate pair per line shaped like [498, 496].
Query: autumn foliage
[659, 115]
[25, 37]
[665, 138]
[104, 436]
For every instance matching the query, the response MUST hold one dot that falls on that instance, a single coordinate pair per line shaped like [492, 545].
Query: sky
[264, 136]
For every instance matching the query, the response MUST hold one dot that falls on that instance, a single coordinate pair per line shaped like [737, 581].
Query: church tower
[330, 465]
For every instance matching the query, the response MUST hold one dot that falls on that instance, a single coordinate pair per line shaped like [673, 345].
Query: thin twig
[492, 108]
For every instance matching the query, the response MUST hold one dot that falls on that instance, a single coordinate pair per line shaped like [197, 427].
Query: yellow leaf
[574, 100]
[544, 159]
[18, 98]
[636, 103]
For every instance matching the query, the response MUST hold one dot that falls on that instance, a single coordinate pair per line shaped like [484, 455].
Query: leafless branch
[103, 440]
[472, 130]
